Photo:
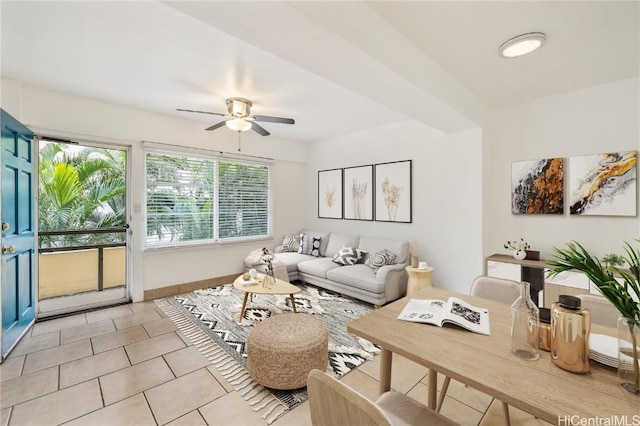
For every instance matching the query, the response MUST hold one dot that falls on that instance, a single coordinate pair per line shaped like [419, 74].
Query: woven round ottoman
[282, 350]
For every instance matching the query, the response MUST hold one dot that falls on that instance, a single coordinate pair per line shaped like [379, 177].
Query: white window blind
[180, 198]
[194, 199]
[243, 198]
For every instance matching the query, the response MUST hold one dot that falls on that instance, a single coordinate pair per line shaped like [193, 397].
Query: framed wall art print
[537, 186]
[358, 193]
[603, 184]
[393, 192]
[330, 194]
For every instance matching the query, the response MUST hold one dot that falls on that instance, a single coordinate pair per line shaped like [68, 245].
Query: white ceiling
[335, 67]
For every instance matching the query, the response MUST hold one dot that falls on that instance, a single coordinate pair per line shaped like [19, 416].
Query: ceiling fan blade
[259, 129]
[216, 126]
[266, 118]
[200, 112]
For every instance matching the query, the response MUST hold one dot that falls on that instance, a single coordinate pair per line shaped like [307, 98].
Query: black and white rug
[210, 319]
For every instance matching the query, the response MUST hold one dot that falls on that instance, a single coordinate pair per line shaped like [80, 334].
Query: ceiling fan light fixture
[522, 45]
[238, 124]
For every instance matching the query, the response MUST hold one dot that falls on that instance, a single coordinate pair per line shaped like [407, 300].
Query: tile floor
[129, 365]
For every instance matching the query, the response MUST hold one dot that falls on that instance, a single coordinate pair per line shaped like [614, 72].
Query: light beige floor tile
[132, 411]
[170, 401]
[136, 318]
[299, 416]
[465, 394]
[107, 313]
[371, 367]
[143, 306]
[184, 338]
[5, 413]
[225, 384]
[230, 409]
[36, 343]
[74, 334]
[116, 339]
[155, 328]
[49, 326]
[135, 379]
[451, 408]
[405, 373]
[11, 367]
[495, 417]
[56, 356]
[59, 407]
[363, 383]
[190, 419]
[186, 360]
[81, 370]
[30, 386]
[153, 347]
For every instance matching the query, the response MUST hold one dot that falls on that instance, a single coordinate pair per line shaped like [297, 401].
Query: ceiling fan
[239, 117]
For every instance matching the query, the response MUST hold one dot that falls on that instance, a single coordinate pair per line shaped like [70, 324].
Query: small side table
[418, 279]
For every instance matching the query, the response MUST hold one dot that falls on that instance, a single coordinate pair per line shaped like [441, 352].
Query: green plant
[613, 260]
[603, 275]
[517, 245]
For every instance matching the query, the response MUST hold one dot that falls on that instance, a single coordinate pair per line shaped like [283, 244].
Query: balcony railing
[68, 270]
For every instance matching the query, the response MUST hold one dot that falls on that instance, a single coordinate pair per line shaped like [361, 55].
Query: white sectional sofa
[361, 281]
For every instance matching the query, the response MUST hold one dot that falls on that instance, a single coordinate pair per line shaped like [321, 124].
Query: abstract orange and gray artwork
[537, 186]
[603, 184]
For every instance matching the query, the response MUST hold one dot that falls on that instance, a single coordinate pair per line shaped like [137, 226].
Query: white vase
[519, 254]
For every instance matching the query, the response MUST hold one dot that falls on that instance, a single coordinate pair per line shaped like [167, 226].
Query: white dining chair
[496, 289]
[602, 311]
[333, 403]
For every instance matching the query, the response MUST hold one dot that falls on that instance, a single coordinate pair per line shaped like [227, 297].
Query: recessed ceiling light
[522, 45]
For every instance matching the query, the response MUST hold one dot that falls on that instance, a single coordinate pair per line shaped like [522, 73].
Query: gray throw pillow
[349, 255]
[380, 259]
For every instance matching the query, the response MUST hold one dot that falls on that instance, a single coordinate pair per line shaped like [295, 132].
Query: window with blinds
[200, 199]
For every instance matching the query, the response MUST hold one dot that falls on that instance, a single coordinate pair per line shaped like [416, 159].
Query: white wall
[594, 120]
[58, 114]
[447, 193]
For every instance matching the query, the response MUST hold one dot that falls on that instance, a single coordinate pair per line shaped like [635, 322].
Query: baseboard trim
[172, 290]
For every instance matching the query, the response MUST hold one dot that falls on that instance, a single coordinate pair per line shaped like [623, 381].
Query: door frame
[86, 301]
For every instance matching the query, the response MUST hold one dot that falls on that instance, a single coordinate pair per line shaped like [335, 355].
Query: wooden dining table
[486, 363]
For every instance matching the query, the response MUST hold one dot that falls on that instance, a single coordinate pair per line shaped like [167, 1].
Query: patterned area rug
[210, 319]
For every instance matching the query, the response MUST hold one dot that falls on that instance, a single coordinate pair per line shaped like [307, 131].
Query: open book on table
[454, 311]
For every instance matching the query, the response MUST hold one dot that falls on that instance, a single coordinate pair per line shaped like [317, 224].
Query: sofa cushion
[324, 238]
[309, 245]
[379, 259]
[338, 241]
[358, 276]
[290, 243]
[291, 260]
[348, 255]
[317, 267]
[398, 247]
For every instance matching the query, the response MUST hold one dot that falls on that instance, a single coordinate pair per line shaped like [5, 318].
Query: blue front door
[18, 243]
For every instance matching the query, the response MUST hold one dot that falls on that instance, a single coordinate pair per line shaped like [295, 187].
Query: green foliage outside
[80, 188]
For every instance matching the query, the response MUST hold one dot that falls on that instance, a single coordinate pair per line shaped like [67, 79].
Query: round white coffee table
[279, 287]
